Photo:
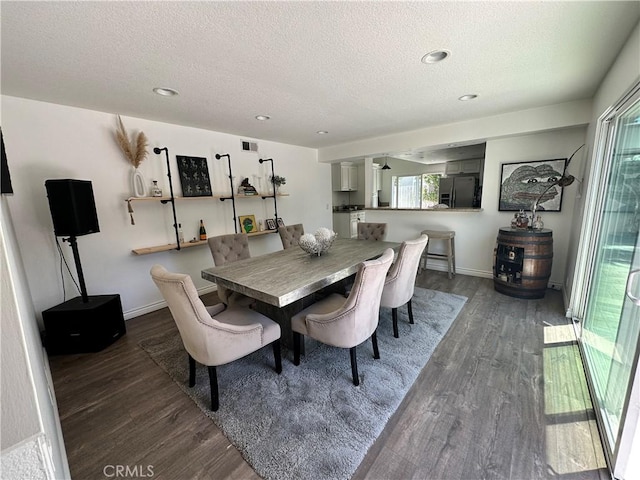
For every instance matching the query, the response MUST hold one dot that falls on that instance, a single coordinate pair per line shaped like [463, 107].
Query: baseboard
[463, 271]
[152, 307]
[484, 274]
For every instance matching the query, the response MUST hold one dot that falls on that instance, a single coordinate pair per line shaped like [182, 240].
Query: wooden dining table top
[280, 278]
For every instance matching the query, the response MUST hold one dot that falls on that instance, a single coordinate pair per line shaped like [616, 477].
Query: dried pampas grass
[135, 153]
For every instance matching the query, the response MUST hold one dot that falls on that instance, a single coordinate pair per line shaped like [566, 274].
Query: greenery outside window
[415, 191]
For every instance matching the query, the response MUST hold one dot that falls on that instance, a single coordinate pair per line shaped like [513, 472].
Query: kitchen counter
[451, 210]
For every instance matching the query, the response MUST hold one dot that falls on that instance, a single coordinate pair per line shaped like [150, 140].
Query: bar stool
[450, 256]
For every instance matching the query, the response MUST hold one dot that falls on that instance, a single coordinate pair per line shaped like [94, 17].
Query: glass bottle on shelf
[203, 232]
[156, 191]
[180, 233]
[502, 275]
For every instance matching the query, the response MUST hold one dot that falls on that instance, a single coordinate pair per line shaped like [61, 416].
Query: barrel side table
[522, 262]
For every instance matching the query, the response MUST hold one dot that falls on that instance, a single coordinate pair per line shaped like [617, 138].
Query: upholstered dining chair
[290, 235]
[371, 231]
[226, 249]
[401, 279]
[346, 323]
[215, 335]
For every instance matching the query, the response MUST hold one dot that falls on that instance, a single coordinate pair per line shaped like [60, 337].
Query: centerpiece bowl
[318, 243]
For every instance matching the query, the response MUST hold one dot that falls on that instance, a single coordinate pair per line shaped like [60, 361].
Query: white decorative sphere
[319, 243]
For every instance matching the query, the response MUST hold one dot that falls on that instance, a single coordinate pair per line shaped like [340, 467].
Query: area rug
[311, 422]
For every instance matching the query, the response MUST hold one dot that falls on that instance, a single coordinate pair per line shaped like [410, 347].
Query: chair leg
[354, 366]
[410, 312]
[453, 254]
[297, 342]
[277, 356]
[374, 341]
[213, 383]
[192, 371]
[394, 315]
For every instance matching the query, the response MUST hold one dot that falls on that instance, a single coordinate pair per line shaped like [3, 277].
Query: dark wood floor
[503, 397]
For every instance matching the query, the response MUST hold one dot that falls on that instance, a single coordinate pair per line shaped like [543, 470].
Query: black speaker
[73, 208]
[78, 327]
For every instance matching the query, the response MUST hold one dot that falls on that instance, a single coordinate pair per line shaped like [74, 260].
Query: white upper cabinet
[463, 166]
[344, 177]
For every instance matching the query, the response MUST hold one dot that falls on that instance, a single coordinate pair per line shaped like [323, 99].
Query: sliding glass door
[611, 321]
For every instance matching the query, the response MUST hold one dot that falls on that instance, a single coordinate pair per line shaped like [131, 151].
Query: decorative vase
[138, 185]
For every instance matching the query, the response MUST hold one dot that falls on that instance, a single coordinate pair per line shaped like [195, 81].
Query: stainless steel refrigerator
[457, 192]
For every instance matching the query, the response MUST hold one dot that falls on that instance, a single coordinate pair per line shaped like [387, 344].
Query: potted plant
[277, 182]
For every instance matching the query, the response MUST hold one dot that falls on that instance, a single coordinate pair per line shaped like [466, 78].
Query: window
[415, 191]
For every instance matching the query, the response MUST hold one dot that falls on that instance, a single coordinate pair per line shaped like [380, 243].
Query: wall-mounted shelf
[208, 197]
[173, 198]
[166, 248]
[174, 246]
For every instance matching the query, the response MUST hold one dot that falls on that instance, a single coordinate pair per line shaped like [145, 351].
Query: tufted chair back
[371, 231]
[226, 249]
[401, 279]
[290, 235]
[229, 248]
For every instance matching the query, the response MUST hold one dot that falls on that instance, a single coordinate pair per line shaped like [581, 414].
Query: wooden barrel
[522, 262]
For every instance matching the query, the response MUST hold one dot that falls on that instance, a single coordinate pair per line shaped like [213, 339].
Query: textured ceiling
[351, 68]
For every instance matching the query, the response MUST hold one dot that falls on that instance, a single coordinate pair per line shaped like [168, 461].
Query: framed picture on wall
[270, 223]
[194, 176]
[522, 183]
[280, 222]
[248, 223]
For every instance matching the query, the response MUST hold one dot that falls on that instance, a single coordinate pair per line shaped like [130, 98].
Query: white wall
[546, 118]
[31, 441]
[46, 141]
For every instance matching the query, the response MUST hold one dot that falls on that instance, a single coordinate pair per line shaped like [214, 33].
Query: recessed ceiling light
[165, 92]
[469, 96]
[263, 117]
[435, 56]
[322, 132]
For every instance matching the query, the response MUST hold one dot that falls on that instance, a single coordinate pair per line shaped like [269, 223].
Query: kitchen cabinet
[463, 166]
[344, 177]
[345, 224]
[356, 217]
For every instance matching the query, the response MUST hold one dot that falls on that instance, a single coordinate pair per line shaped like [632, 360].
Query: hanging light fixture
[386, 165]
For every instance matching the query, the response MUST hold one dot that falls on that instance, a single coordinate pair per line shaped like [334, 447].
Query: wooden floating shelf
[174, 246]
[167, 247]
[204, 197]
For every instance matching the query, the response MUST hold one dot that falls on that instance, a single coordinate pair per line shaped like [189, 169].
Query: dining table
[285, 279]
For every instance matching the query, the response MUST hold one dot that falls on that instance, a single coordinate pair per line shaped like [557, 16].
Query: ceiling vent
[249, 146]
